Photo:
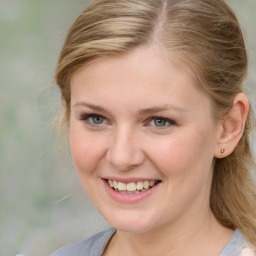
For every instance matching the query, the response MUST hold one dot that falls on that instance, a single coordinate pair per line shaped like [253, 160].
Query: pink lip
[129, 198]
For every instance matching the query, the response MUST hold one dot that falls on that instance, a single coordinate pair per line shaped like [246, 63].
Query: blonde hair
[206, 36]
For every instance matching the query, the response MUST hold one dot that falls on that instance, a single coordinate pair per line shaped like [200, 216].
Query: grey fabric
[95, 245]
[235, 245]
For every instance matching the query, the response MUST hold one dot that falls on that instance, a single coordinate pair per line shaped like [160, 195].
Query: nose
[124, 152]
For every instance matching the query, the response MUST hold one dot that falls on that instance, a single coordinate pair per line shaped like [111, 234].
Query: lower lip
[129, 198]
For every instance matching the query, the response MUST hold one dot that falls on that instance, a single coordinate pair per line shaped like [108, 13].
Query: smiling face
[140, 124]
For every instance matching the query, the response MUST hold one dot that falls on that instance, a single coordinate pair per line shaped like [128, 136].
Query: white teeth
[152, 183]
[140, 185]
[115, 183]
[110, 182]
[146, 184]
[131, 187]
[121, 186]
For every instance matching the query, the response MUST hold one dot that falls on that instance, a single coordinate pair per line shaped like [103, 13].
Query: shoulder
[237, 246]
[93, 246]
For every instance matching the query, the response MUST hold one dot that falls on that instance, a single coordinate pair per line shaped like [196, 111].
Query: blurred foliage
[42, 204]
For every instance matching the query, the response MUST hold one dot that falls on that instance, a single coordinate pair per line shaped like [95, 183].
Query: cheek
[186, 154]
[185, 162]
[86, 149]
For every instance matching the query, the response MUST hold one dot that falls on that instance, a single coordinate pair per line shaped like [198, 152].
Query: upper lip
[127, 180]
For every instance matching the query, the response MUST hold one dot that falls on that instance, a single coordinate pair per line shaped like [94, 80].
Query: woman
[158, 123]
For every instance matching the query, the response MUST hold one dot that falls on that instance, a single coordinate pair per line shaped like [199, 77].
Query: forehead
[142, 62]
[143, 75]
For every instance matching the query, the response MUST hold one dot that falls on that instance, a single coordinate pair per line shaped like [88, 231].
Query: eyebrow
[155, 110]
[89, 105]
[145, 111]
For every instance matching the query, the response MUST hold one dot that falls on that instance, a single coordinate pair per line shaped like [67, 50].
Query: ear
[232, 127]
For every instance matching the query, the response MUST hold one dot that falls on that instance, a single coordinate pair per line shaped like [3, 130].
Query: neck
[205, 236]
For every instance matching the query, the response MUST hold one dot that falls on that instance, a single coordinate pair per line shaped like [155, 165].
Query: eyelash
[169, 121]
[86, 117]
[153, 118]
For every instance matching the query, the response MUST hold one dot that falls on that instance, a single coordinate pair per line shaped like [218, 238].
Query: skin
[127, 143]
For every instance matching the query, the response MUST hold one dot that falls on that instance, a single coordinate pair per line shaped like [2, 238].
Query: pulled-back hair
[206, 36]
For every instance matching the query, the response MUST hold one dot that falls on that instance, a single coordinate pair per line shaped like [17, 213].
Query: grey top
[95, 246]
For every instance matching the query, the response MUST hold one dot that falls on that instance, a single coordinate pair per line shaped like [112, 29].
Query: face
[143, 140]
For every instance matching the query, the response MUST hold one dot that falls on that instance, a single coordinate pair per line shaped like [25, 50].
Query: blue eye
[96, 119]
[161, 122]
[93, 119]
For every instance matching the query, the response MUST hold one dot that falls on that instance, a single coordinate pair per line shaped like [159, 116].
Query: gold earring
[222, 150]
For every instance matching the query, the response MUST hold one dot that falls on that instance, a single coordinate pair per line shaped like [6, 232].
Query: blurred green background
[42, 206]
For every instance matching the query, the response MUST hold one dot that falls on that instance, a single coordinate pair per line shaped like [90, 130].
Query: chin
[130, 222]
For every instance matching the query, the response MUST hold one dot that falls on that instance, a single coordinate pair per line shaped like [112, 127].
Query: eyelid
[170, 121]
[85, 118]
